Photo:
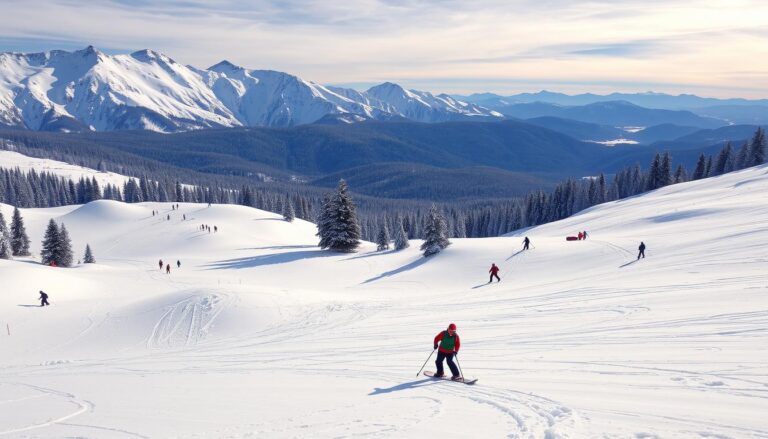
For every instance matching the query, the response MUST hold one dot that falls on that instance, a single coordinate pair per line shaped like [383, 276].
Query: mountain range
[734, 110]
[88, 90]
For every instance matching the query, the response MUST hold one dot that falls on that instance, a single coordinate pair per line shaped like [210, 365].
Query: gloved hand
[434, 347]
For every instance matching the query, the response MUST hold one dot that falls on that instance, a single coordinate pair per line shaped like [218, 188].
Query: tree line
[483, 218]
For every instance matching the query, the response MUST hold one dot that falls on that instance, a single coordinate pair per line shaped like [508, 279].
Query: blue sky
[712, 48]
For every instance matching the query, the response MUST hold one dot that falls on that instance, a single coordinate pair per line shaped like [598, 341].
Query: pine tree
[654, 174]
[757, 148]
[701, 167]
[88, 258]
[289, 214]
[382, 239]
[721, 164]
[50, 244]
[742, 157]
[64, 256]
[401, 237]
[339, 229]
[5, 239]
[708, 170]
[680, 174]
[435, 238]
[665, 171]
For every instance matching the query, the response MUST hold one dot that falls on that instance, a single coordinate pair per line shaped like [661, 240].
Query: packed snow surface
[260, 334]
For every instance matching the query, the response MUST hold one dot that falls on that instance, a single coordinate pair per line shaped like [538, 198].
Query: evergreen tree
[435, 229]
[64, 256]
[289, 214]
[708, 170]
[5, 239]
[339, 229]
[701, 167]
[382, 239]
[721, 164]
[50, 244]
[757, 148]
[88, 258]
[680, 174]
[665, 172]
[401, 237]
[654, 174]
[742, 157]
[19, 238]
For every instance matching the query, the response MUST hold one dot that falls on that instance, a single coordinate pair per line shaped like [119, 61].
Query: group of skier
[168, 266]
[206, 227]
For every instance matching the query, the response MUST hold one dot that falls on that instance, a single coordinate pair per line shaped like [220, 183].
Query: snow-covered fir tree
[5, 239]
[50, 249]
[19, 238]
[435, 233]
[64, 255]
[289, 214]
[338, 226]
[757, 148]
[88, 257]
[701, 167]
[382, 239]
[401, 237]
[721, 164]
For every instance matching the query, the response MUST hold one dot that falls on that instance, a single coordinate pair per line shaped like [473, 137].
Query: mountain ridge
[87, 89]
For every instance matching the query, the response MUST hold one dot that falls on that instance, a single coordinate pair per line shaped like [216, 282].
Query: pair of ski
[469, 381]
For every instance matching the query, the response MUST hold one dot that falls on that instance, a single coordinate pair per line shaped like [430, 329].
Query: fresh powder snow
[261, 334]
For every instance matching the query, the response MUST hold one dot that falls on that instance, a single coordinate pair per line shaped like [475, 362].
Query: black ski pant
[525, 247]
[449, 359]
[44, 302]
[492, 276]
[641, 254]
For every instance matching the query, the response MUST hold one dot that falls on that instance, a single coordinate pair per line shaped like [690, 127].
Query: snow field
[260, 334]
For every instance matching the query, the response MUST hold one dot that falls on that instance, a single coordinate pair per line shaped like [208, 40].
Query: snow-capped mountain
[90, 90]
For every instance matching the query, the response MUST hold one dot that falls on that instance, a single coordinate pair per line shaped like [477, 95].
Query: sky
[704, 47]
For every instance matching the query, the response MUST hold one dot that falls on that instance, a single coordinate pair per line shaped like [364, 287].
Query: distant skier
[168, 269]
[168, 217]
[184, 217]
[641, 254]
[526, 243]
[160, 264]
[448, 343]
[178, 264]
[581, 236]
[215, 229]
[43, 299]
[585, 234]
[494, 272]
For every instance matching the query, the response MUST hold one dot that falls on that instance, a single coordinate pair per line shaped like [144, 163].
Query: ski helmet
[452, 327]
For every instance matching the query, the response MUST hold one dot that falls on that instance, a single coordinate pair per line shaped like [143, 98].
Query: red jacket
[494, 269]
[456, 346]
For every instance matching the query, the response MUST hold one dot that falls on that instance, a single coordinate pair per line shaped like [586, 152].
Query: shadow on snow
[406, 267]
[271, 259]
[404, 386]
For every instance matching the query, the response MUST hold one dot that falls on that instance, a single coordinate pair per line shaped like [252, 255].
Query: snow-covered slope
[260, 334]
[87, 89]
[13, 160]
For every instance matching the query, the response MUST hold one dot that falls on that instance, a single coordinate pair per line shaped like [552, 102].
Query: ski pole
[456, 356]
[425, 363]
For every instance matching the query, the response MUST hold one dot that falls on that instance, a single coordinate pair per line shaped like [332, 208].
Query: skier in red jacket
[447, 344]
[494, 272]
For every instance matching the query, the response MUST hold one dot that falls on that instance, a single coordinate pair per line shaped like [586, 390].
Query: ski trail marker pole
[425, 363]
